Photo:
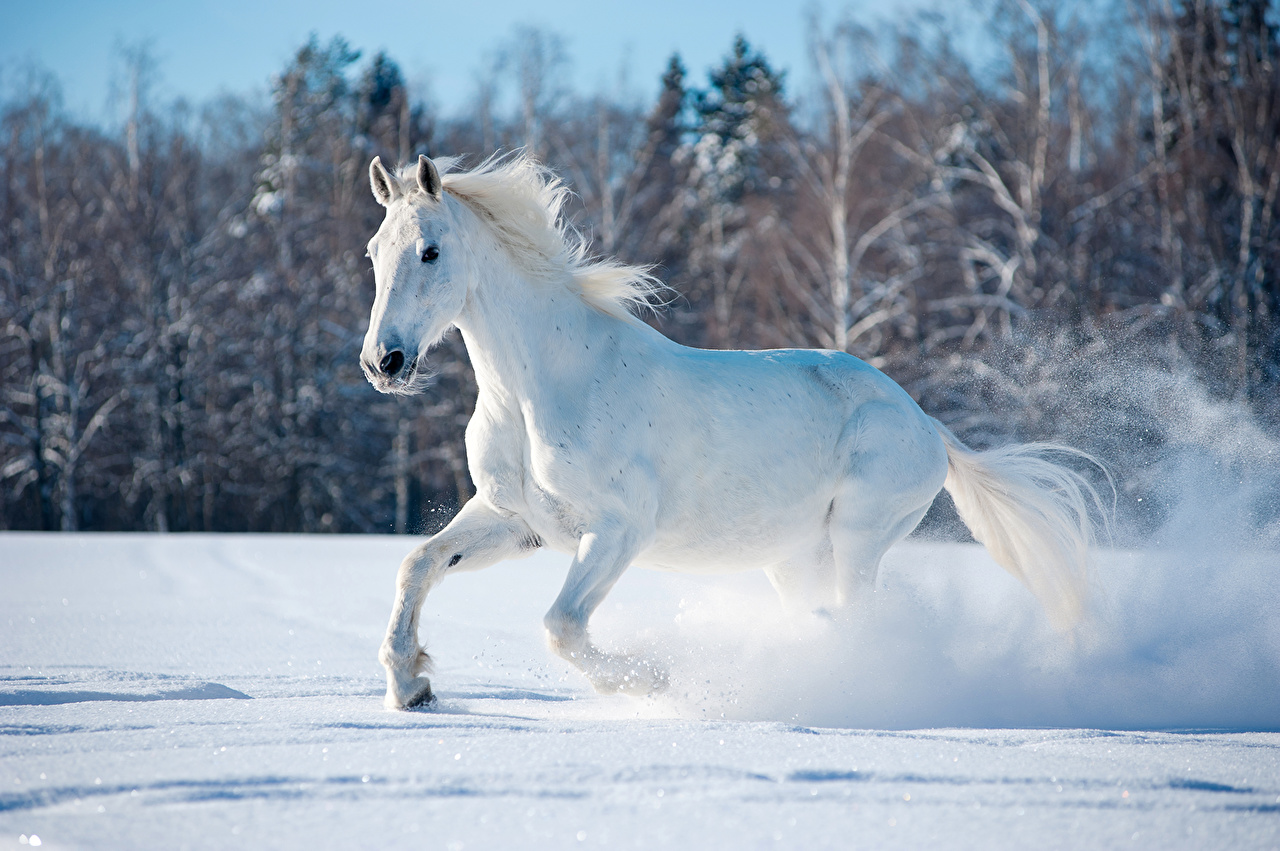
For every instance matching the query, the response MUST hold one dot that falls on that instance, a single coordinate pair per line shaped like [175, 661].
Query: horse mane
[523, 201]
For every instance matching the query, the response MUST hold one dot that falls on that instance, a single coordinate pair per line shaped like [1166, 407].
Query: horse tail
[1032, 515]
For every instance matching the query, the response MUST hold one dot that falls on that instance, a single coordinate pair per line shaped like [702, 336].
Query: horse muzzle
[392, 370]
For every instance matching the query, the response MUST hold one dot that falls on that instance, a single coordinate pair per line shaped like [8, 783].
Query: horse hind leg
[896, 469]
[859, 540]
[805, 583]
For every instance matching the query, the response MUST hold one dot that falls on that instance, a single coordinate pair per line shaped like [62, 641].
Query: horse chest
[547, 483]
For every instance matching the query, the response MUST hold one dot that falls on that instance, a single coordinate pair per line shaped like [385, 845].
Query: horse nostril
[391, 363]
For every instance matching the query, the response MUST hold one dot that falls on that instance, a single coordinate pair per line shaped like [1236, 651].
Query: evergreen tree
[380, 84]
[668, 122]
[383, 106]
[733, 155]
[739, 115]
[661, 212]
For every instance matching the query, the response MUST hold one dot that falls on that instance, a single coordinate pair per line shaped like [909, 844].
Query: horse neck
[517, 333]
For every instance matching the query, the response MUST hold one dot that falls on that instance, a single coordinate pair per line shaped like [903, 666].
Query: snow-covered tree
[732, 158]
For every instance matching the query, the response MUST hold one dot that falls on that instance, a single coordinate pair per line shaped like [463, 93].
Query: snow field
[220, 691]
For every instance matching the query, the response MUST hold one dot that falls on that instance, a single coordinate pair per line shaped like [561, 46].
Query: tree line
[183, 297]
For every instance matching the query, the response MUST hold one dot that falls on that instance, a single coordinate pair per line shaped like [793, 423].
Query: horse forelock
[522, 202]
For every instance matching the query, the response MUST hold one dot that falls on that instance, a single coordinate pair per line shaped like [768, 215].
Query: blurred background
[1045, 219]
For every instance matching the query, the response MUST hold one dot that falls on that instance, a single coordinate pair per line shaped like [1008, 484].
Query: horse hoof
[426, 700]
[419, 696]
[640, 681]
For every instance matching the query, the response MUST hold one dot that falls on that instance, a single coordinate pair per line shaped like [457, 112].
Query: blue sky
[236, 45]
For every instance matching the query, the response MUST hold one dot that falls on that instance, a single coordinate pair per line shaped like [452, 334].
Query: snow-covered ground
[219, 691]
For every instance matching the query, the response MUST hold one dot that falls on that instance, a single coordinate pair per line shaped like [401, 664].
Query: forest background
[1069, 231]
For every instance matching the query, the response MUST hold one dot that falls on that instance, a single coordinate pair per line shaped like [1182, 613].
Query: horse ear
[383, 187]
[429, 178]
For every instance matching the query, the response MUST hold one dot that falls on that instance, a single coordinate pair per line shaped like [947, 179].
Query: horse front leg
[477, 537]
[602, 557]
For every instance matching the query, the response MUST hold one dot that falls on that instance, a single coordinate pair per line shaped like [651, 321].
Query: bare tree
[537, 61]
[824, 267]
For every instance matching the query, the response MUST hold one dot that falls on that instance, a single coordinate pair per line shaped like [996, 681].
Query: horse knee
[418, 565]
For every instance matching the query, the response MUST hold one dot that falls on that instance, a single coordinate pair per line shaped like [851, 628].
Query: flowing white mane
[523, 202]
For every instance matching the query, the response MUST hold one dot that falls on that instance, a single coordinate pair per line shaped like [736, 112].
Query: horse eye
[430, 255]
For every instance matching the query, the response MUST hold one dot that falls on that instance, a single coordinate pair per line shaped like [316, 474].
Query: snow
[223, 690]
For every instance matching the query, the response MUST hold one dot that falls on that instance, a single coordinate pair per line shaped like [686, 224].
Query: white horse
[595, 435]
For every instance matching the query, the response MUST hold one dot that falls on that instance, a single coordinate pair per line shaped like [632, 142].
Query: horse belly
[724, 551]
[746, 519]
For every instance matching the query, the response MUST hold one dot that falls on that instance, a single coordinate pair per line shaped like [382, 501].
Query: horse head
[420, 279]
